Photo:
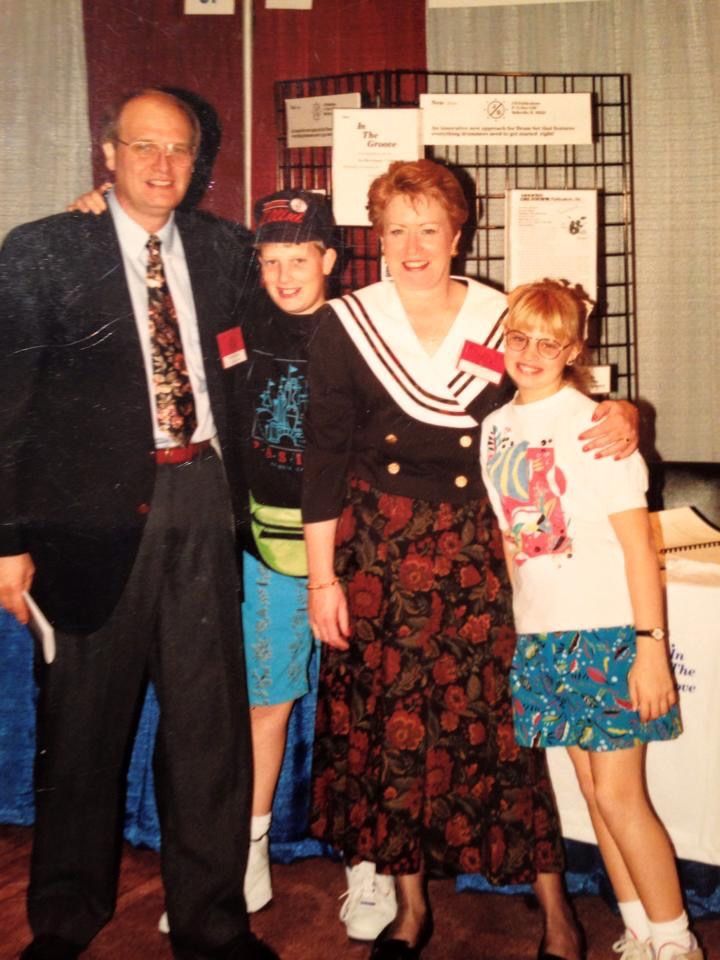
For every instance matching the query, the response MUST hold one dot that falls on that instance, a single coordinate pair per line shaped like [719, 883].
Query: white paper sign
[487, 118]
[309, 119]
[41, 628]
[210, 6]
[493, 3]
[600, 378]
[288, 4]
[551, 233]
[365, 143]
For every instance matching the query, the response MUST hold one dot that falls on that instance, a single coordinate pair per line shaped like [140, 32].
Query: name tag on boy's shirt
[231, 346]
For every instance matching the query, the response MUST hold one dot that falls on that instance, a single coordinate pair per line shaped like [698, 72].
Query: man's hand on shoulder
[91, 202]
[616, 432]
[16, 575]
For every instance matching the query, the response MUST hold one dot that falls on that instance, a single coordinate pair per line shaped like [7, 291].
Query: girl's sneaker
[668, 951]
[631, 949]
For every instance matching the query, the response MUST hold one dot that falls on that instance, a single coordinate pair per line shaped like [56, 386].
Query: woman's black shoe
[543, 954]
[389, 948]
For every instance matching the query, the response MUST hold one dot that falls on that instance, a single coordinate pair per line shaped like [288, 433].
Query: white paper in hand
[41, 628]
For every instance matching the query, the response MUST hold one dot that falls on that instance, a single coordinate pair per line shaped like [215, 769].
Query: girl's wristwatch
[657, 633]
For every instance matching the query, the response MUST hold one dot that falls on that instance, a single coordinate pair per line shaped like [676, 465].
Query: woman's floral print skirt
[416, 766]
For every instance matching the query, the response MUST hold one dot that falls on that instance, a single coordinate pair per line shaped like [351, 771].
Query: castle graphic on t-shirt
[278, 425]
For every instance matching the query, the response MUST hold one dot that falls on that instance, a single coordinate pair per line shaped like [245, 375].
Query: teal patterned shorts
[278, 640]
[570, 688]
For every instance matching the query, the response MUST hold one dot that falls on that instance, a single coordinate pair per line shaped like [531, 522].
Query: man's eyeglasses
[181, 153]
[547, 348]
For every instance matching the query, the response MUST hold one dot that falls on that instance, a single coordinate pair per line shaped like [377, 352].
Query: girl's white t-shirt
[555, 501]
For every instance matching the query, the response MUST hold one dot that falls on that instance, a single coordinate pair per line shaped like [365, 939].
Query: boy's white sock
[259, 826]
[672, 937]
[635, 919]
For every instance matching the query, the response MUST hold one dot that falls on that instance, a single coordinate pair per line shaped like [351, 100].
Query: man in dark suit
[119, 355]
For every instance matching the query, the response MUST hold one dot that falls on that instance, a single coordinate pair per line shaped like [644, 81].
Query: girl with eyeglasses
[591, 670]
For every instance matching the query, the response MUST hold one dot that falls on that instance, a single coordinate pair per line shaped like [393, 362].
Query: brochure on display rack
[365, 143]
[501, 119]
[551, 233]
[310, 119]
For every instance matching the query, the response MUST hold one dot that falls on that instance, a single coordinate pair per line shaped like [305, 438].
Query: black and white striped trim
[442, 400]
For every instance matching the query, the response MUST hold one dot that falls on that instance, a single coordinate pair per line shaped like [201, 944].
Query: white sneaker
[631, 949]
[163, 924]
[257, 887]
[672, 951]
[370, 903]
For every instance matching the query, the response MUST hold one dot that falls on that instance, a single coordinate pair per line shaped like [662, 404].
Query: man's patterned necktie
[174, 401]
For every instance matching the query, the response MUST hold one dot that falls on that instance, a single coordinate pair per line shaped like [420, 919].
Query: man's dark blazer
[76, 438]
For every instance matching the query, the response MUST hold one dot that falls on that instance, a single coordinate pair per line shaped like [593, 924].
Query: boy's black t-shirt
[276, 400]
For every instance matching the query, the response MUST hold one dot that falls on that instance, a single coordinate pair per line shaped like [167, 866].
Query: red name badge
[482, 361]
[232, 347]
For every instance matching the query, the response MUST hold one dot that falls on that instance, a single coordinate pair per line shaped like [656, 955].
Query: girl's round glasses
[547, 348]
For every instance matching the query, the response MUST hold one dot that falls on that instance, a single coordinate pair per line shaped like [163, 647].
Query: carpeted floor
[301, 923]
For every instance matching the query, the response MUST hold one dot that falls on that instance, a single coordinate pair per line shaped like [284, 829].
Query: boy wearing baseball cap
[295, 242]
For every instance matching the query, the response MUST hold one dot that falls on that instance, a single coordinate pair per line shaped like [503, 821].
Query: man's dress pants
[178, 625]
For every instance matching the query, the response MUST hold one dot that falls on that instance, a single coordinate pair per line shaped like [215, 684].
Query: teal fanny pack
[278, 536]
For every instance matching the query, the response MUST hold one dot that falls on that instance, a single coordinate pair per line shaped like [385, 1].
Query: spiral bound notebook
[683, 531]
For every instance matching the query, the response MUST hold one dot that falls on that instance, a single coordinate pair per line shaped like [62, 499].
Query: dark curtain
[334, 37]
[151, 42]
[141, 43]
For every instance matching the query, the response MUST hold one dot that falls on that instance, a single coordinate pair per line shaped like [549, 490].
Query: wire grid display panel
[605, 165]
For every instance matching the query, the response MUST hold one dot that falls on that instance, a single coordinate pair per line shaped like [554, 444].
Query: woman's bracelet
[321, 586]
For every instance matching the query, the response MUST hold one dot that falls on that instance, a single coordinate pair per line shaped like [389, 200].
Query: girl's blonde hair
[563, 310]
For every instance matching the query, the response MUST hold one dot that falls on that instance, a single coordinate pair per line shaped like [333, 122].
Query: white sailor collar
[432, 389]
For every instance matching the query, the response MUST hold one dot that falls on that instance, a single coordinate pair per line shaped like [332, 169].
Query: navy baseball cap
[294, 216]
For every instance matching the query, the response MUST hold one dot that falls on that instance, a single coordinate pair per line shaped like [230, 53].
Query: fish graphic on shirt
[531, 486]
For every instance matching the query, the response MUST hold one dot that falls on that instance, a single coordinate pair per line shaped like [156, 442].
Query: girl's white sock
[672, 938]
[635, 919]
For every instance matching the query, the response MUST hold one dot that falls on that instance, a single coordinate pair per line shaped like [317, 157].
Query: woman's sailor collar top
[434, 389]
[384, 411]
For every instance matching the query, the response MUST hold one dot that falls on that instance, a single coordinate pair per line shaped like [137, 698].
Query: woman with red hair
[416, 768]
